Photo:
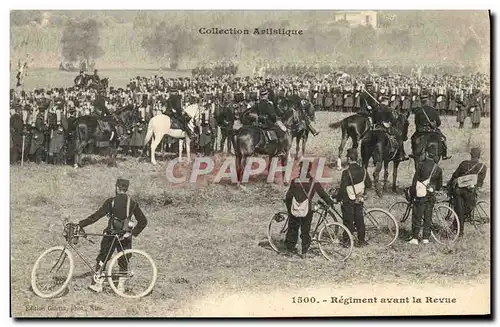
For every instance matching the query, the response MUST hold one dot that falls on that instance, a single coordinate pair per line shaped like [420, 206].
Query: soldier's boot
[97, 281]
[445, 156]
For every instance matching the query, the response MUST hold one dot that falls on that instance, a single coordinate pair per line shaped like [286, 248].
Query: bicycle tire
[380, 226]
[450, 215]
[482, 209]
[396, 209]
[114, 261]
[274, 221]
[53, 294]
[337, 227]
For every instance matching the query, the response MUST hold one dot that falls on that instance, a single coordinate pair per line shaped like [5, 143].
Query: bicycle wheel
[381, 227]
[276, 231]
[52, 272]
[400, 211]
[445, 224]
[331, 244]
[139, 277]
[481, 213]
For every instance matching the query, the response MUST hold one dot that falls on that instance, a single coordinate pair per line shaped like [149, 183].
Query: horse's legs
[395, 176]
[376, 173]
[154, 144]
[341, 149]
[181, 143]
[284, 162]
[297, 145]
[222, 140]
[304, 141]
[188, 148]
[386, 174]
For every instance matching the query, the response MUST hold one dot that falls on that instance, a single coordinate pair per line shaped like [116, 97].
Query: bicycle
[480, 212]
[56, 258]
[445, 223]
[329, 237]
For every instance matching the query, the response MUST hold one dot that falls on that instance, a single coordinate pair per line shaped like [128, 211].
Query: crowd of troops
[43, 116]
[215, 69]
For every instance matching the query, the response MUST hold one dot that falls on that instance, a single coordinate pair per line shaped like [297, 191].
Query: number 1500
[305, 299]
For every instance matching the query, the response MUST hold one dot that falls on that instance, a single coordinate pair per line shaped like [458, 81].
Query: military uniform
[427, 120]
[464, 197]
[352, 210]
[424, 205]
[302, 191]
[119, 209]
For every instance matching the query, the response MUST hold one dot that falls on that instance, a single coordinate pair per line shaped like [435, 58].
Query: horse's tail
[149, 133]
[336, 125]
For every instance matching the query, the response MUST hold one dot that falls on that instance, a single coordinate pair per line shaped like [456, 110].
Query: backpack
[421, 188]
[118, 225]
[355, 191]
[469, 180]
[301, 209]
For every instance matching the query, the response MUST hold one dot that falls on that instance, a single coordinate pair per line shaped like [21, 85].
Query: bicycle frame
[86, 262]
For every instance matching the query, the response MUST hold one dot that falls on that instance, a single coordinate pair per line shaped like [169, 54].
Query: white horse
[160, 125]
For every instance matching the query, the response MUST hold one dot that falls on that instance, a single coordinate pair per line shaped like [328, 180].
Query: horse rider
[306, 108]
[384, 119]
[119, 210]
[427, 121]
[96, 77]
[352, 187]
[464, 184]
[266, 108]
[79, 79]
[427, 179]
[174, 104]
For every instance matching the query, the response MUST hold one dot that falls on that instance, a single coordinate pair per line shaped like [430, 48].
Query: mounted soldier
[80, 79]
[383, 119]
[427, 121]
[266, 109]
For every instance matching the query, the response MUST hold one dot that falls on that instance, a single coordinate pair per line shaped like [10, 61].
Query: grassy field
[209, 241]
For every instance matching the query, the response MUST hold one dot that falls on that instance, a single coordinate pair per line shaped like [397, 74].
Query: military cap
[475, 152]
[352, 154]
[122, 183]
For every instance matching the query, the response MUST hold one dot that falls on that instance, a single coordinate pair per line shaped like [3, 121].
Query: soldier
[351, 191]
[119, 209]
[299, 192]
[476, 105]
[464, 184]
[266, 107]
[383, 117]
[461, 108]
[427, 120]
[427, 179]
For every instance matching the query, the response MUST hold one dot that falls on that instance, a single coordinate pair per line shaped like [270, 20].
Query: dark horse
[103, 132]
[250, 140]
[378, 145]
[420, 142]
[355, 127]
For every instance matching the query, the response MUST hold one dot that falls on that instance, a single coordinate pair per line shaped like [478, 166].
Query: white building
[355, 18]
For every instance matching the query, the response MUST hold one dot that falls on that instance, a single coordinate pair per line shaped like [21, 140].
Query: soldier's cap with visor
[475, 152]
[352, 154]
[122, 184]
